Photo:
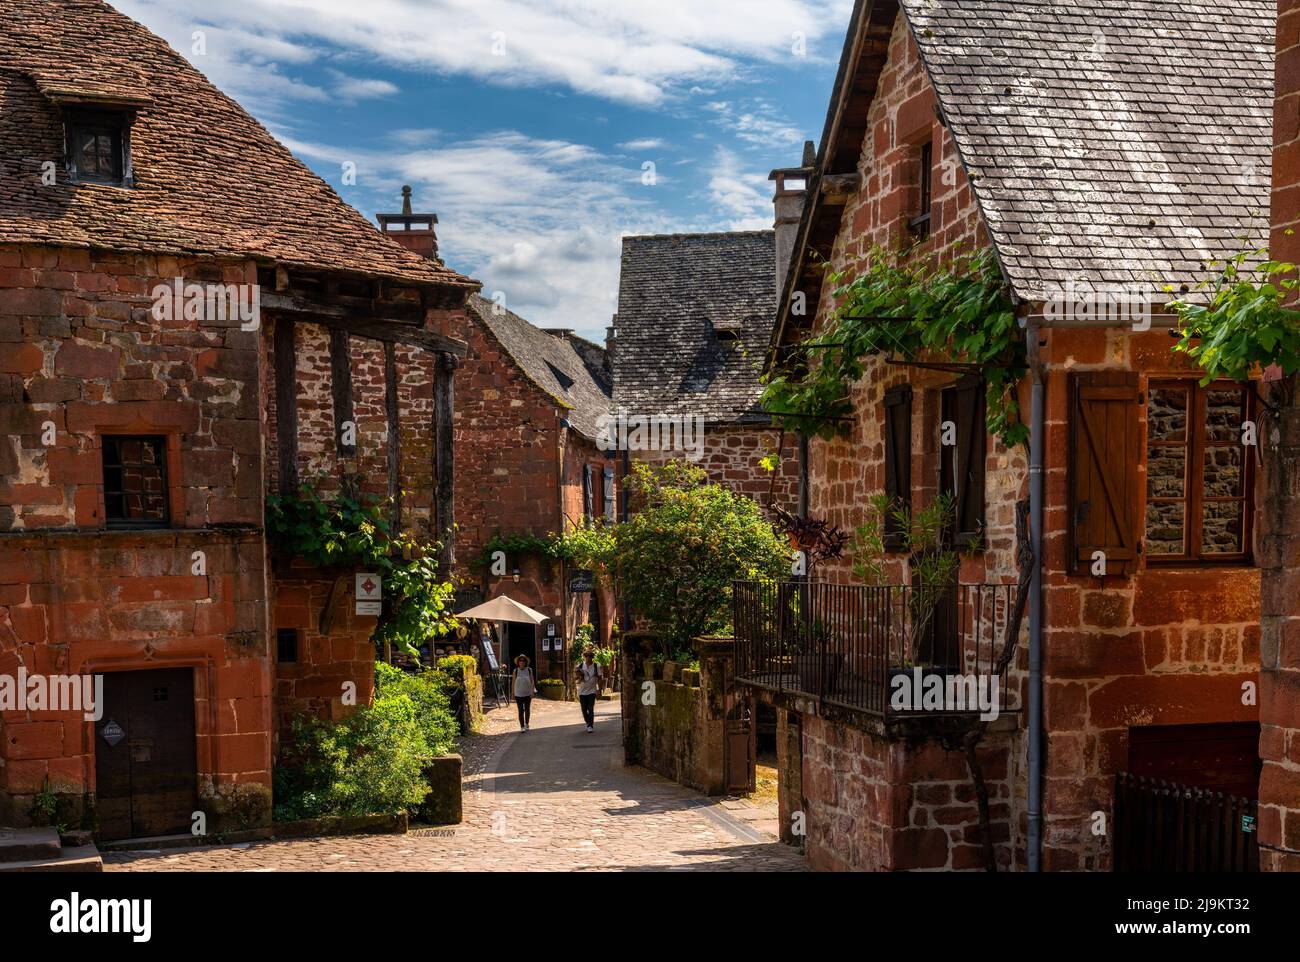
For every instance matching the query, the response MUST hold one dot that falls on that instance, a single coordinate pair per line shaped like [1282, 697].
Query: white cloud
[743, 196]
[361, 88]
[758, 122]
[624, 50]
[643, 143]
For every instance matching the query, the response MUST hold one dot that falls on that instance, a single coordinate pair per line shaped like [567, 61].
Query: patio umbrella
[502, 608]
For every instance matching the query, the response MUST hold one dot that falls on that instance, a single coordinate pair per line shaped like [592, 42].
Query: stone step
[27, 844]
[81, 858]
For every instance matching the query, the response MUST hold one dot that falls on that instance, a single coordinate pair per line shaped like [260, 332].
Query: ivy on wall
[904, 308]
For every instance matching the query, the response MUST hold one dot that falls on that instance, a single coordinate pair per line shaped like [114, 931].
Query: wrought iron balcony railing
[883, 650]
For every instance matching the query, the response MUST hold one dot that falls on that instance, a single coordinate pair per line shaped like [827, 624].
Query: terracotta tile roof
[675, 294]
[568, 368]
[1108, 142]
[209, 178]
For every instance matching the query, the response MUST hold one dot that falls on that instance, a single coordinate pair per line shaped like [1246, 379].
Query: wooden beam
[444, 464]
[341, 384]
[390, 330]
[286, 404]
[394, 431]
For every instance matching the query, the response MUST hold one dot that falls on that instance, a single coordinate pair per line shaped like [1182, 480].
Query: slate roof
[1108, 141]
[568, 368]
[675, 292]
[209, 178]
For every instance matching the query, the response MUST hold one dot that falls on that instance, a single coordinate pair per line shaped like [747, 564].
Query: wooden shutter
[608, 489]
[963, 464]
[586, 490]
[1104, 456]
[898, 457]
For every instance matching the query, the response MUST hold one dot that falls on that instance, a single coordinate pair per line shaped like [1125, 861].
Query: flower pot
[671, 670]
[818, 673]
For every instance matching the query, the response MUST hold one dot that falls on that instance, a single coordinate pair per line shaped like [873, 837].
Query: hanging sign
[112, 732]
[580, 582]
[370, 594]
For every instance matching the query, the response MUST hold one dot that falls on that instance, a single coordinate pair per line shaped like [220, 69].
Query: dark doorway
[521, 639]
[146, 773]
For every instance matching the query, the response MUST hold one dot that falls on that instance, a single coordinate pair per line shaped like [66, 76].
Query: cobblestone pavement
[554, 798]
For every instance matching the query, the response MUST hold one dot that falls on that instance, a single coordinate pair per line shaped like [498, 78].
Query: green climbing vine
[354, 531]
[1244, 327]
[905, 307]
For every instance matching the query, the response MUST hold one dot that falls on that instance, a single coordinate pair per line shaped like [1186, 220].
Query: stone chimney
[791, 182]
[611, 339]
[413, 231]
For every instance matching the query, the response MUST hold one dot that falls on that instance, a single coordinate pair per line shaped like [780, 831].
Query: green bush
[458, 667]
[371, 762]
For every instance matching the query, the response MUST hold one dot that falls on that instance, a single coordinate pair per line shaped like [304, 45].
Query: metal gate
[146, 772]
[1164, 827]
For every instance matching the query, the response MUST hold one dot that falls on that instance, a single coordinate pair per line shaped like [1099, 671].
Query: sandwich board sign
[370, 594]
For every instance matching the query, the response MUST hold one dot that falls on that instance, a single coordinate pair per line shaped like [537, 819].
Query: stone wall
[731, 456]
[680, 732]
[1278, 492]
[882, 801]
[82, 357]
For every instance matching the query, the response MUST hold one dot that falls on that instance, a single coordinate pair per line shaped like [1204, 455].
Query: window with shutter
[1105, 448]
[898, 458]
[586, 491]
[609, 493]
[962, 462]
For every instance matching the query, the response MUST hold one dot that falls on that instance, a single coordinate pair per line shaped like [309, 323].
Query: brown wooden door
[146, 772]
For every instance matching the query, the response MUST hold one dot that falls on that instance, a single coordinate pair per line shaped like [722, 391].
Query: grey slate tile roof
[675, 292]
[569, 368]
[1109, 141]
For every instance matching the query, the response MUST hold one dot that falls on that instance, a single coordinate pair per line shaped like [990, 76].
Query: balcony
[884, 651]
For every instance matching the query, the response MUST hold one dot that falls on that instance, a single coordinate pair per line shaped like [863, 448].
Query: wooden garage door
[145, 767]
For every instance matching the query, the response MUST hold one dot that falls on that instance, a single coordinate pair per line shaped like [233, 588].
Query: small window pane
[1221, 531]
[1166, 472]
[1167, 418]
[1225, 410]
[1223, 472]
[135, 481]
[1165, 524]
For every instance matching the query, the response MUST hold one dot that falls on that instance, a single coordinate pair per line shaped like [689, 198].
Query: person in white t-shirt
[525, 687]
[590, 683]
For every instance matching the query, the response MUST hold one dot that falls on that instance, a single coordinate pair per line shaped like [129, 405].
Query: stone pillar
[637, 646]
[1278, 498]
[719, 692]
[789, 768]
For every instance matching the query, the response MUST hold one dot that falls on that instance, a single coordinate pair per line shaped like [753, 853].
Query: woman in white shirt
[590, 681]
[525, 686]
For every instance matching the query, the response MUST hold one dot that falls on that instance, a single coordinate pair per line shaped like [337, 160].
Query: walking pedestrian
[591, 681]
[525, 687]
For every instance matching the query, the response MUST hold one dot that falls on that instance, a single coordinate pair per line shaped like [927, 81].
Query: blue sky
[526, 125]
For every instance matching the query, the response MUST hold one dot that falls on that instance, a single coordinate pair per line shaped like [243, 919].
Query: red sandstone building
[528, 410]
[139, 442]
[1090, 147]
[694, 319]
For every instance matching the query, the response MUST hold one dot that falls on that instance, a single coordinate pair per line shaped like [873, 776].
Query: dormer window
[99, 146]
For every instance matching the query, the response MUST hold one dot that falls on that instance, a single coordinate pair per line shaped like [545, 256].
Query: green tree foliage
[688, 541]
[1244, 325]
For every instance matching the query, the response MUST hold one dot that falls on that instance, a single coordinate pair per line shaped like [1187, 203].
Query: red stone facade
[1156, 646]
[732, 455]
[1279, 498]
[82, 359]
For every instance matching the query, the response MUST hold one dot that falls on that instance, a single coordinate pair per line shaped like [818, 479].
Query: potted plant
[923, 538]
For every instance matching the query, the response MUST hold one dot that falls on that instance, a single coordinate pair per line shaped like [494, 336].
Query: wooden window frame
[134, 524]
[1195, 444]
[608, 491]
[113, 123]
[950, 462]
[919, 225]
[588, 492]
[286, 642]
[898, 462]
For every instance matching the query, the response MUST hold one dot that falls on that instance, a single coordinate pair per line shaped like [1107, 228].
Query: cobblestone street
[554, 798]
